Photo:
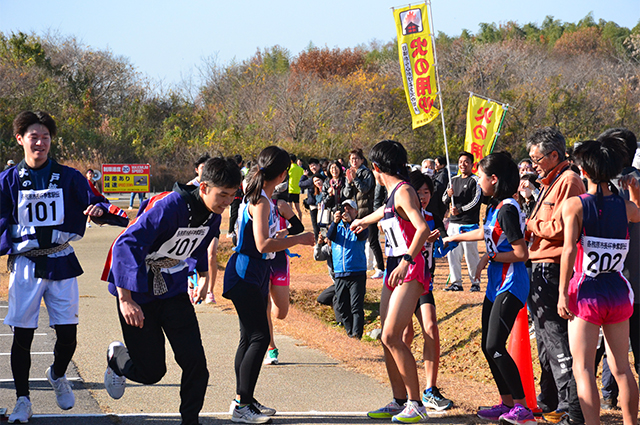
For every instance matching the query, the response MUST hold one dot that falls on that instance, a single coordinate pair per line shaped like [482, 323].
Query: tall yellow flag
[484, 118]
[415, 49]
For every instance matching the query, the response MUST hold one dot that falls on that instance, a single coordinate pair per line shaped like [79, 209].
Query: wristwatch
[408, 259]
[492, 255]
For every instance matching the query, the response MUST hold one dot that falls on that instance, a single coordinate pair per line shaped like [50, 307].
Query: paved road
[309, 387]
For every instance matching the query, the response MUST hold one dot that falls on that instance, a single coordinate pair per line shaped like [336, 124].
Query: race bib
[428, 254]
[488, 240]
[395, 245]
[39, 208]
[182, 244]
[601, 255]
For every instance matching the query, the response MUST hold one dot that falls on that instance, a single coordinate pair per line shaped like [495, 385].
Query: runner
[426, 310]
[279, 276]
[508, 283]
[407, 277]
[246, 277]
[147, 270]
[598, 294]
[36, 235]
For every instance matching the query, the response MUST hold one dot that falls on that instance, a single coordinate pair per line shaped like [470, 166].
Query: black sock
[419, 402]
[400, 401]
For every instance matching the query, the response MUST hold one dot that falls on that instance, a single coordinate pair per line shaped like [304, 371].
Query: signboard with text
[119, 178]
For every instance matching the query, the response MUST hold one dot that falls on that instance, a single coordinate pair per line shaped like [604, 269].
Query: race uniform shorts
[604, 300]
[280, 270]
[27, 291]
[418, 271]
[294, 197]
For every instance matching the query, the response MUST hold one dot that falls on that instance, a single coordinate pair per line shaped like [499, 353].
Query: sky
[169, 41]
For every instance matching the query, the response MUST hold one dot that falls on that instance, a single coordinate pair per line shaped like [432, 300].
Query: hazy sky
[167, 40]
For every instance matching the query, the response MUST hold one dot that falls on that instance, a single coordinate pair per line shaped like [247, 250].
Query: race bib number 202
[39, 208]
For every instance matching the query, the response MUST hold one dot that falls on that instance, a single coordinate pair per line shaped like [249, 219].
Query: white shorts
[27, 291]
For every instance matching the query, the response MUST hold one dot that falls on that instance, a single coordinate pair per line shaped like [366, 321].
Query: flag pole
[444, 129]
[495, 137]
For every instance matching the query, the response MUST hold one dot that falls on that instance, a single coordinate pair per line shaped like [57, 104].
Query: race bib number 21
[40, 207]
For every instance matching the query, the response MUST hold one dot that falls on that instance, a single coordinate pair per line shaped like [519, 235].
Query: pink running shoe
[210, 298]
[519, 415]
[493, 414]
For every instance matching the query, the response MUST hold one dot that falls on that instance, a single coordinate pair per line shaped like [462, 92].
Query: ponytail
[270, 164]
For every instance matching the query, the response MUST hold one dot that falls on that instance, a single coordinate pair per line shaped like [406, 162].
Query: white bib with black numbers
[428, 253]
[182, 244]
[603, 255]
[395, 245]
[39, 208]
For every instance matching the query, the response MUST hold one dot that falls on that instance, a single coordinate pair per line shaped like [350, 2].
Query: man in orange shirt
[547, 150]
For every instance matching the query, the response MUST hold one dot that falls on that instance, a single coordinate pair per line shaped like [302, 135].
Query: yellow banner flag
[483, 123]
[416, 62]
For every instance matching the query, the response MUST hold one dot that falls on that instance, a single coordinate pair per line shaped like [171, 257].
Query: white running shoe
[268, 411]
[22, 411]
[412, 413]
[62, 388]
[211, 299]
[249, 414]
[114, 383]
[378, 274]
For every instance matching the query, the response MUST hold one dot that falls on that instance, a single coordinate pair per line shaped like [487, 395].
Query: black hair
[417, 179]
[503, 167]
[313, 161]
[467, 154]
[601, 159]
[548, 139]
[391, 158]
[293, 157]
[357, 152]
[337, 164]
[237, 159]
[441, 160]
[201, 160]
[319, 175]
[89, 170]
[271, 162]
[625, 136]
[221, 172]
[27, 118]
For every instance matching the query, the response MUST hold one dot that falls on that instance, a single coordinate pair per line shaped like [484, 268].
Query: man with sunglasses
[547, 150]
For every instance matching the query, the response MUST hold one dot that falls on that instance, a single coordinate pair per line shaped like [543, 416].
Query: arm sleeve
[477, 197]
[296, 225]
[332, 233]
[305, 182]
[111, 213]
[509, 221]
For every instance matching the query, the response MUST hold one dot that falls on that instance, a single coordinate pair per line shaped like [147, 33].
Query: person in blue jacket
[43, 207]
[350, 267]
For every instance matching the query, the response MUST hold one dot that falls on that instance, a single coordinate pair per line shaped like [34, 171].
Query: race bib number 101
[39, 208]
[183, 242]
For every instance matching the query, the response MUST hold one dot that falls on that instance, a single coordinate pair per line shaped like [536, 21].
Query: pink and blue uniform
[504, 225]
[280, 264]
[399, 234]
[598, 291]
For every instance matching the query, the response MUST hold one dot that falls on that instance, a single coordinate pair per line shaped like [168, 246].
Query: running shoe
[114, 383]
[378, 274]
[454, 287]
[62, 388]
[432, 399]
[493, 414]
[519, 415]
[387, 411]
[475, 288]
[272, 356]
[22, 411]
[555, 416]
[191, 291]
[412, 414]
[210, 298]
[268, 411]
[249, 414]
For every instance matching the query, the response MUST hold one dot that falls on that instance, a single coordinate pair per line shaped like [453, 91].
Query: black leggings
[21, 354]
[497, 320]
[251, 307]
